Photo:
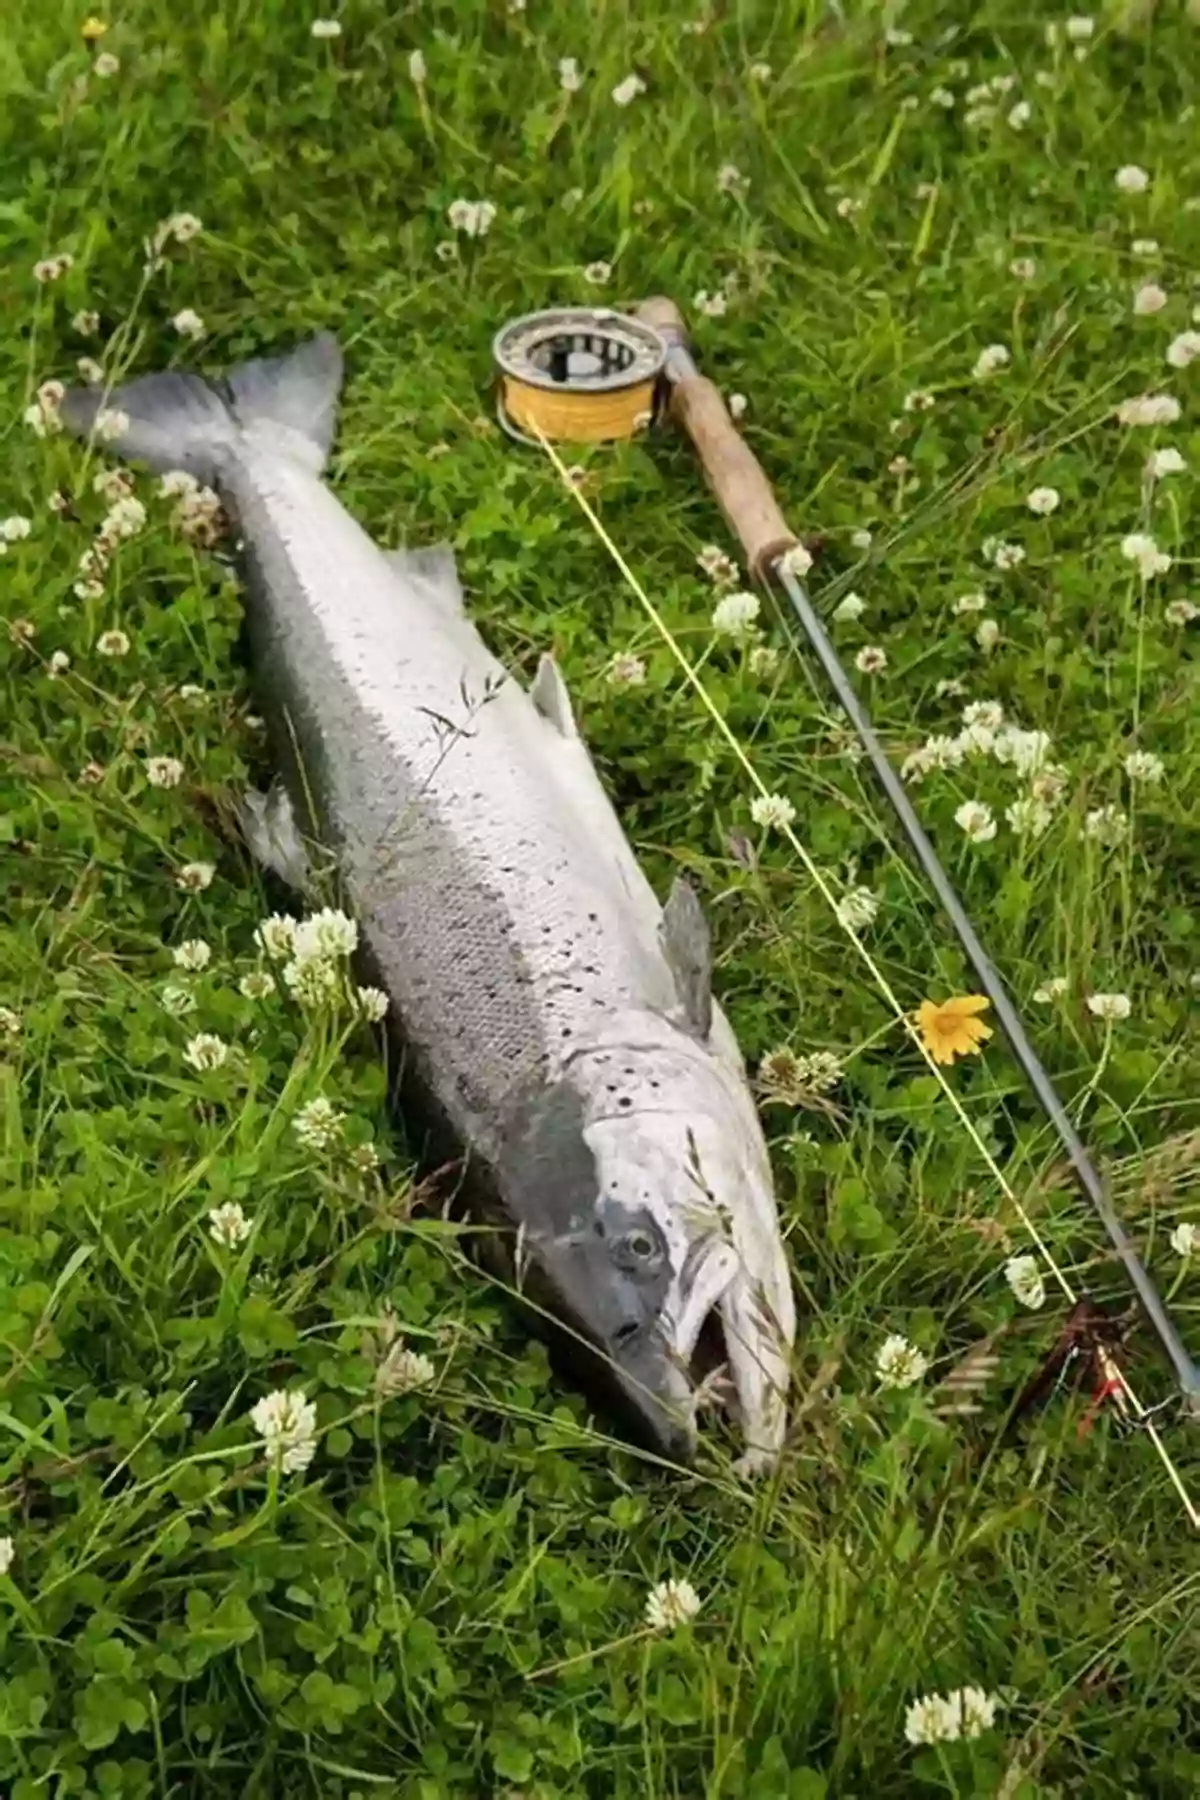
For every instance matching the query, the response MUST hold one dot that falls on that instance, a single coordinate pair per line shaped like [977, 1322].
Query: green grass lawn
[450, 1600]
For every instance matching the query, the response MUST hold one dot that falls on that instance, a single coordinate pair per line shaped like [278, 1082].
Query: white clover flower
[1079, 27]
[1109, 1006]
[1148, 299]
[1164, 462]
[1183, 349]
[730, 179]
[1024, 1277]
[851, 607]
[257, 984]
[931, 1720]
[1106, 825]
[1043, 501]
[188, 323]
[1149, 409]
[318, 1124]
[8, 1555]
[569, 78]
[1023, 267]
[193, 954]
[796, 561]
[871, 660]
[976, 820]
[991, 359]
[737, 406]
[1008, 556]
[12, 530]
[626, 671]
[857, 909]
[177, 484]
[1185, 1239]
[472, 217]
[1025, 750]
[402, 1370]
[974, 1709]
[372, 1004]
[1020, 115]
[1130, 179]
[736, 615]
[206, 1051]
[1181, 612]
[110, 424]
[325, 29]
[194, 877]
[53, 268]
[969, 603]
[229, 1225]
[313, 981]
[1144, 765]
[10, 1022]
[628, 90]
[1054, 989]
[847, 206]
[328, 933]
[124, 519]
[988, 713]
[861, 539]
[720, 568]
[941, 96]
[763, 660]
[58, 664]
[671, 1603]
[287, 1424]
[760, 71]
[164, 771]
[900, 1364]
[713, 306]
[276, 935]
[86, 324]
[1145, 247]
[178, 1000]
[773, 812]
[1029, 817]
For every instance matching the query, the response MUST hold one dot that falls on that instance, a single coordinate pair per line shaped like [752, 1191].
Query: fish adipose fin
[688, 949]
[432, 569]
[549, 694]
[269, 826]
[176, 421]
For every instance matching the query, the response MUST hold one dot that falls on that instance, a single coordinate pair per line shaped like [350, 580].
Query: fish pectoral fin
[269, 826]
[550, 697]
[687, 946]
[432, 568]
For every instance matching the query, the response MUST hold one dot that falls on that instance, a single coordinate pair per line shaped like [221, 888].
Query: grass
[449, 1601]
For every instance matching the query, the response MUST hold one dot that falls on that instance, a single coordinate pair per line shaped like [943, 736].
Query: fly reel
[577, 374]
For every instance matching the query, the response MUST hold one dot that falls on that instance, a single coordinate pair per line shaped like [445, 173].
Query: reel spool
[577, 374]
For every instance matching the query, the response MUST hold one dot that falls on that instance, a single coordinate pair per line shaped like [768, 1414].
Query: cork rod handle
[734, 473]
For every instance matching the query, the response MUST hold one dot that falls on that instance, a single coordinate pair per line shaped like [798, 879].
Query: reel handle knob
[734, 473]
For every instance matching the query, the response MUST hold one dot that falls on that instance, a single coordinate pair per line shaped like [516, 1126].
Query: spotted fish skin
[555, 1016]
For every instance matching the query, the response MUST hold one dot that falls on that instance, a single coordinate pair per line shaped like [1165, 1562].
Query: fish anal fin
[687, 946]
[272, 833]
[432, 568]
[549, 695]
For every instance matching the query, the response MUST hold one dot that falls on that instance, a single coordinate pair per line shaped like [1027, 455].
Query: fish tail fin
[174, 421]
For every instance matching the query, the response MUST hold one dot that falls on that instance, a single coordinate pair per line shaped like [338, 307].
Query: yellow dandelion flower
[92, 29]
[949, 1028]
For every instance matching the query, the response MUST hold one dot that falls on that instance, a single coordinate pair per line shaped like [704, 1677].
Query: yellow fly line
[1114, 1376]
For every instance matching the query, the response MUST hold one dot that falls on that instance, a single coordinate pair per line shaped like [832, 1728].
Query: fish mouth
[663, 1369]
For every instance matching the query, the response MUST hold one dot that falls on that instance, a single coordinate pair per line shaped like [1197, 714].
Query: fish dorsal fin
[432, 568]
[549, 694]
[687, 947]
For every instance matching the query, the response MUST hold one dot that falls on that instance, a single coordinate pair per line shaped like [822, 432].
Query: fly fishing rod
[594, 375]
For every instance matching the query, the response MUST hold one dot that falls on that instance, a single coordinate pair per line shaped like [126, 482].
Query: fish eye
[641, 1245]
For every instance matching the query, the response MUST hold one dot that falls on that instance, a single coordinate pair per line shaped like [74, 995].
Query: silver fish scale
[497, 921]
